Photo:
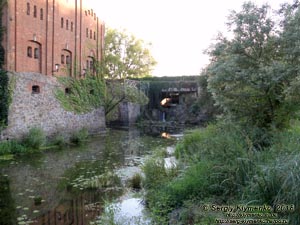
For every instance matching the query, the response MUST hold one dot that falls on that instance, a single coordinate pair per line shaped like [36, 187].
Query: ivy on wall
[4, 79]
[81, 95]
[84, 95]
[4, 96]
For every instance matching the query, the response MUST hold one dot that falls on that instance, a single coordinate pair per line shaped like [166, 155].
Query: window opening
[41, 14]
[28, 8]
[91, 65]
[87, 64]
[62, 59]
[29, 52]
[35, 89]
[34, 11]
[36, 53]
[62, 22]
[68, 61]
[67, 90]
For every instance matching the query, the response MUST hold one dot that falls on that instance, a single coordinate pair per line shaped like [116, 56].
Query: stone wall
[128, 113]
[32, 109]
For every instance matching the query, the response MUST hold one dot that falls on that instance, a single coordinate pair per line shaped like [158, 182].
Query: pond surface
[70, 186]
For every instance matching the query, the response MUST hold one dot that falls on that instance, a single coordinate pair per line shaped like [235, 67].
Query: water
[70, 186]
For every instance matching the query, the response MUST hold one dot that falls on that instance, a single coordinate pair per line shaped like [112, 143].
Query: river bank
[220, 169]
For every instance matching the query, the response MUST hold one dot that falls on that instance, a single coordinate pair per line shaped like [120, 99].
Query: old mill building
[51, 37]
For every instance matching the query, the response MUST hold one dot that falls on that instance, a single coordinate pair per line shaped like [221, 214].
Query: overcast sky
[179, 30]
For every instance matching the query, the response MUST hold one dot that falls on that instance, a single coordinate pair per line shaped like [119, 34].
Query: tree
[251, 75]
[125, 56]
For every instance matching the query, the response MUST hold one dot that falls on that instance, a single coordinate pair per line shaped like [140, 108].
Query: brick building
[51, 37]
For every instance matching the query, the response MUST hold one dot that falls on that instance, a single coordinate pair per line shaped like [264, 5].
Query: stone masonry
[35, 105]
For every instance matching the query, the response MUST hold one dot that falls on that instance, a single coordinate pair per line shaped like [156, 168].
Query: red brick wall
[35, 42]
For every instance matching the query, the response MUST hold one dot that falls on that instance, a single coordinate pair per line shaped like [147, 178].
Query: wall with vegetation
[40, 108]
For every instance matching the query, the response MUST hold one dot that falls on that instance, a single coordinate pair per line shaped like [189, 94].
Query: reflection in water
[7, 209]
[69, 186]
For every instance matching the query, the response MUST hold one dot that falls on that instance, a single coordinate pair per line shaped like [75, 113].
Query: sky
[179, 30]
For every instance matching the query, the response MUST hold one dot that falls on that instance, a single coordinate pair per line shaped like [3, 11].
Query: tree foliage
[252, 76]
[125, 56]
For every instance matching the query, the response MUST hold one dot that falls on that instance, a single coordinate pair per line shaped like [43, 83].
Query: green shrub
[287, 141]
[35, 138]
[11, 147]
[80, 136]
[196, 182]
[156, 174]
[59, 140]
[136, 181]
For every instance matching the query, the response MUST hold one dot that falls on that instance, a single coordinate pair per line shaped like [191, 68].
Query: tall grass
[226, 165]
[79, 136]
[11, 147]
[35, 138]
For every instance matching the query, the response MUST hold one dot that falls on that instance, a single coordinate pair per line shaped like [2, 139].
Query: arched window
[36, 53]
[34, 11]
[67, 24]
[62, 22]
[29, 52]
[68, 60]
[28, 8]
[87, 32]
[62, 59]
[72, 26]
[41, 14]
[91, 34]
[35, 89]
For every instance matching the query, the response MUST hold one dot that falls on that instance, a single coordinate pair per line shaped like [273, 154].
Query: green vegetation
[82, 95]
[224, 168]
[85, 95]
[250, 156]
[35, 141]
[136, 181]
[125, 56]
[205, 103]
[11, 147]
[254, 76]
[80, 136]
[4, 96]
[7, 205]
